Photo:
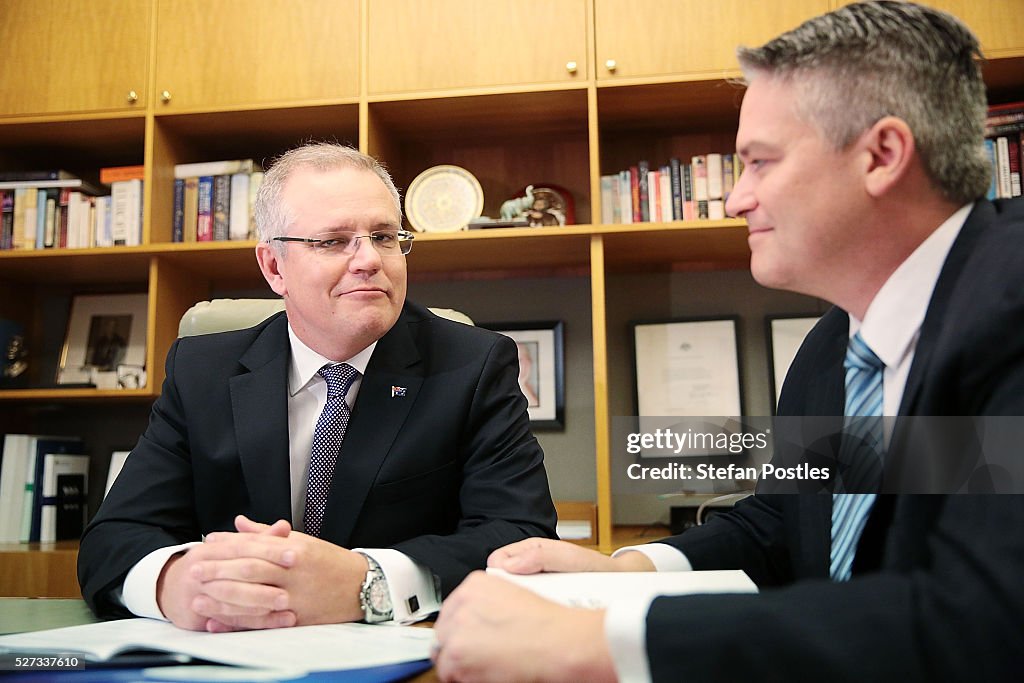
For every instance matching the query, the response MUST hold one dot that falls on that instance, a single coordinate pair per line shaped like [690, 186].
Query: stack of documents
[292, 652]
[598, 589]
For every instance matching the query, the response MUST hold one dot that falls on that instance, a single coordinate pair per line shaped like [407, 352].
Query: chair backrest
[224, 315]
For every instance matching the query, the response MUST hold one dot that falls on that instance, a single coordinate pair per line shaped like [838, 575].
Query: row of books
[674, 192]
[56, 209]
[1004, 142]
[44, 481]
[213, 200]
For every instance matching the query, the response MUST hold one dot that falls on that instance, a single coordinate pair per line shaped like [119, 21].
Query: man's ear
[891, 152]
[270, 265]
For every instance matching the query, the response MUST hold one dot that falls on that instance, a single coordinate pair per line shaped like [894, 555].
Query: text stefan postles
[682, 472]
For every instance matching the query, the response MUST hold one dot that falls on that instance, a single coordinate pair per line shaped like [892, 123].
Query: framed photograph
[541, 369]
[785, 334]
[106, 335]
[687, 368]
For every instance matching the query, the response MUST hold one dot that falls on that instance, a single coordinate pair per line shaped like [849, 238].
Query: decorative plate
[443, 199]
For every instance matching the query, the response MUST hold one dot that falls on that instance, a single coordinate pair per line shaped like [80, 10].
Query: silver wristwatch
[374, 597]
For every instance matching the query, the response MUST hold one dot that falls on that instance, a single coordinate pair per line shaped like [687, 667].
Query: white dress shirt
[408, 582]
[891, 327]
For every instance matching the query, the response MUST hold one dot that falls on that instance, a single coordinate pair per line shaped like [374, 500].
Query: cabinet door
[67, 56]
[665, 37]
[213, 53]
[417, 45]
[999, 24]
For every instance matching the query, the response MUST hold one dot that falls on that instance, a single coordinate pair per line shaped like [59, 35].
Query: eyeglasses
[343, 242]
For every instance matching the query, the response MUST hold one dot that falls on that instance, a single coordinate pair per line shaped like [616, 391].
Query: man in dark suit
[437, 465]
[861, 136]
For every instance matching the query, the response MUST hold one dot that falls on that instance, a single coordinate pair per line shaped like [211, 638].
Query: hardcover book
[63, 497]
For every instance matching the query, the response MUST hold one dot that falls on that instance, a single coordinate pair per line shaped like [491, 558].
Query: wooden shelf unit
[475, 85]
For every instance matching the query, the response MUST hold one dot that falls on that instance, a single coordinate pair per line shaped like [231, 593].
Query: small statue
[542, 213]
[15, 357]
[517, 206]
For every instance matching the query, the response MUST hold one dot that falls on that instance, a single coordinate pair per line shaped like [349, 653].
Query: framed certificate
[785, 335]
[687, 367]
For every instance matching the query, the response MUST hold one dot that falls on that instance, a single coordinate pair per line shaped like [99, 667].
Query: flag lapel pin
[397, 391]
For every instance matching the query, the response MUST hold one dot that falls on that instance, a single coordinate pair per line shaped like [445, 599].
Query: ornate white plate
[443, 199]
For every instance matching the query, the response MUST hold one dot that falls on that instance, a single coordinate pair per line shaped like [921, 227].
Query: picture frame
[785, 334]
[542, 369]
[105, 334]
[687, 378]
[687, 367]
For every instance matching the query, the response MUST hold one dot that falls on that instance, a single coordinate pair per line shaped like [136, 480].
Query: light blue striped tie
[861, 446]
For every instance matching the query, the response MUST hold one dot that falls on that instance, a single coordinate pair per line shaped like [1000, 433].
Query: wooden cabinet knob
[133, 97]
[165, 95]
[610, 65]
[570, 67]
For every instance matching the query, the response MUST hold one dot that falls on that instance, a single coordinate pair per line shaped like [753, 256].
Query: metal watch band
[374, 598]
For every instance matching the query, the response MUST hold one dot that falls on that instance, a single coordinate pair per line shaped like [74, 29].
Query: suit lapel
[377, 416]
[935, 318]
[259, 404]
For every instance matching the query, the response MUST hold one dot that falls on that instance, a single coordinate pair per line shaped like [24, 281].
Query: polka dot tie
[330, 431]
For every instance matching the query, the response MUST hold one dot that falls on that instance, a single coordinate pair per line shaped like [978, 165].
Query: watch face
[379, 599]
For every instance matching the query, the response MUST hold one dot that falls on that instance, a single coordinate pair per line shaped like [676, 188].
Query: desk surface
[18, 615]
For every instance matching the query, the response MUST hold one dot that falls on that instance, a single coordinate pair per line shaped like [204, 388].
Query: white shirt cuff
[625, 629]
[138, 593]
[411, 585]
[665, 557]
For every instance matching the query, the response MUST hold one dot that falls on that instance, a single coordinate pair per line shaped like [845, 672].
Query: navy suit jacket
[938, 587]
[445, 473]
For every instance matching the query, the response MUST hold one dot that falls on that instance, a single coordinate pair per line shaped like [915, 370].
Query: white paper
[573, 529]
[331, 647]
[597, 590]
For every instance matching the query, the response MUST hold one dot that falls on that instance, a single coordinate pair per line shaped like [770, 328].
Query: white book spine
[714, 166]
[665, 186]
[213, 168]
[625, 198]
[653, 194]
[238, 225]
[12, 486]
[29, 234]
[1003, 188]
[608, 199]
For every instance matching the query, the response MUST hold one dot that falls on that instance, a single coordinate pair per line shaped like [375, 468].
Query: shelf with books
[496, 114]
[259, 133]
[81, 144]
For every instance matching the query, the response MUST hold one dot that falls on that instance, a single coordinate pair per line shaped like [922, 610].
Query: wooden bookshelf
[462, 82]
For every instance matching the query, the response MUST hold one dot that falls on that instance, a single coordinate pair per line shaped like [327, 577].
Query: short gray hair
[270, 213]
[865, 61]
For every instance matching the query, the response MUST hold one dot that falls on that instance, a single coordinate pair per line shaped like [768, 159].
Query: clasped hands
[261, 576]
